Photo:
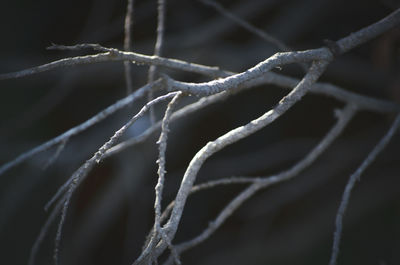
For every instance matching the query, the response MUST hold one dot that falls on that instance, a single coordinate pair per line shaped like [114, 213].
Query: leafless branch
[362, 102]
[128, 44]
[162, 146]
[114, 55]
[231, 137]
[57, 153]
[84, 170]
[161, 8]
[357, 38]
[258, 32]
[43, 231]
[351, 183]
[78, 47]
[83, 126]
[216, 86]
[224, 84]
[344, 117]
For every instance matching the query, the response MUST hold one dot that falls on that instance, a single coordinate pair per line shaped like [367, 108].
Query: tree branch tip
[93, 46]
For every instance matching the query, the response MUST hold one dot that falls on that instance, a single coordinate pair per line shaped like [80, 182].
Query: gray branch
[344, 117]
[83, 126]
[351, 183]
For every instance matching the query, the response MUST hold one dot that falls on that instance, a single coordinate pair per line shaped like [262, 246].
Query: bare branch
[231, 137]
[83, 126]
[211, 184]
[369, 32]
[78, 47]
[57, 153]
[256, 31]
[84, 170]
[344, 117]
[279, 59]
[43, 231]
[152, 75]
[162, 143]
[114, 55]
[343, 45]
[350, 185]
[128, 44]
[362, 102]
[215, 91]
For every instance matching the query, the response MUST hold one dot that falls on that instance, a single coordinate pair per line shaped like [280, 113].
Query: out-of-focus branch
[152, 75]
[350, 185]
[258, 32]
[83, 126]
[128, 44]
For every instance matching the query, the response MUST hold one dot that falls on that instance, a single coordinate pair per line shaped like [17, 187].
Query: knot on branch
[333, 47]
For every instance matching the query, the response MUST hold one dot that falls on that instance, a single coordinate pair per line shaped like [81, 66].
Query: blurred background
[112, 212]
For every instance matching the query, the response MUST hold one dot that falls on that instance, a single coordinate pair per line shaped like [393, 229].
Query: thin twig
[243, 23]
[114, 55]
[100, 154]
[208, 185]
[128, 44]
[57, 153]
[78, 47]
[218, 85]
[197, 188]
[344, 117]
[343, 45]
[256, 31]
[152, 75]
[43, 232]
[362, 36]
[362, 102]
[350, 185]
[162, 146]
[84, 170]
[83, 126]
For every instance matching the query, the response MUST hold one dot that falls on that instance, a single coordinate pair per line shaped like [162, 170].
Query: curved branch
[344, 117]
[350, 185]
[231, 137]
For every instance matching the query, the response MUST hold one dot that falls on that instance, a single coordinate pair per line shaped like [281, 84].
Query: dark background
[291, 223]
